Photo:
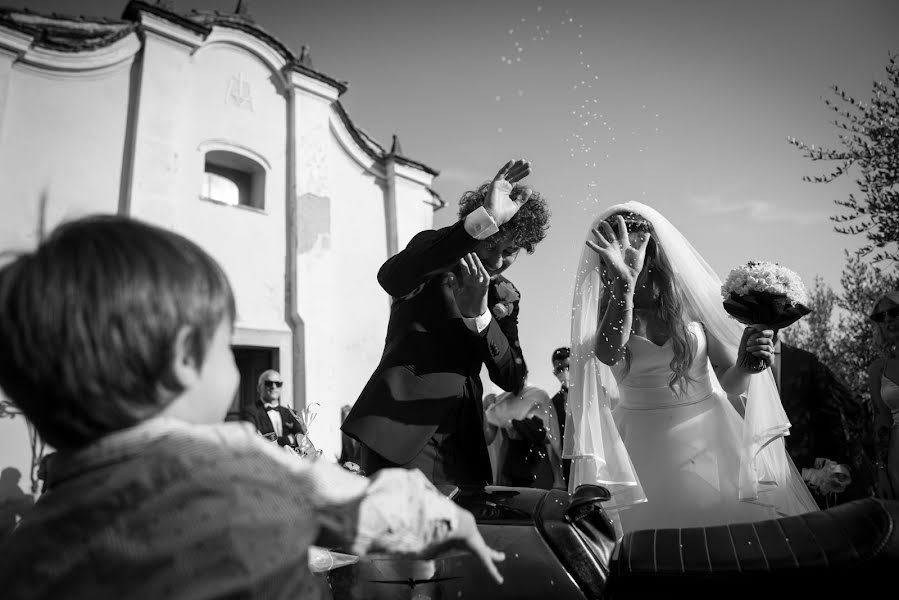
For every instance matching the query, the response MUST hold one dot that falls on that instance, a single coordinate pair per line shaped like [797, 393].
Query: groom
[452, 312]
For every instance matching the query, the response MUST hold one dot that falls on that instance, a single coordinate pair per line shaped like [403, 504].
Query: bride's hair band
[633, 221]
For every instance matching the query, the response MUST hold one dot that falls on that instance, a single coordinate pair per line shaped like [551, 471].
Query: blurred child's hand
[401, 512]
[467, 536]
[470, 536]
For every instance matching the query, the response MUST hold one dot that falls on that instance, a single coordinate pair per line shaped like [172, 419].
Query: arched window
[233, 179]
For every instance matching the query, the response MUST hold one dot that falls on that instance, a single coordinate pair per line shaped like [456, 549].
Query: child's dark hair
[88, 323]
[527, 227]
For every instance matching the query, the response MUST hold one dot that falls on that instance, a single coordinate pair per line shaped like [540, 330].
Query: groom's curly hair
[527, 227]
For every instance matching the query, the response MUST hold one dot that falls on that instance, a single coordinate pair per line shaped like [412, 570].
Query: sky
[683, 105]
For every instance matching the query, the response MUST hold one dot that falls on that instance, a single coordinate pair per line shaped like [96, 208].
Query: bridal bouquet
[765, 293]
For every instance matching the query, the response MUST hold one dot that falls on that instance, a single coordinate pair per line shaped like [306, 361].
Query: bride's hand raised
[623, 260]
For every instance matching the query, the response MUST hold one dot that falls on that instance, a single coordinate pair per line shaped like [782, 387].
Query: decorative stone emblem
[239, 93]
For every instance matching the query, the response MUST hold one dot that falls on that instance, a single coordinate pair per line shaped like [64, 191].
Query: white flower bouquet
[764, 293]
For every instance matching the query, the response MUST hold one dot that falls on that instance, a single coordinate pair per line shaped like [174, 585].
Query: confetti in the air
[591, 134]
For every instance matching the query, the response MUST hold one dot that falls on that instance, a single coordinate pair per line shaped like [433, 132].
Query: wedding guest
[883, 378]
[664, 413]
[452, 313]
[268, 416]
[561, 361]
[125, 367]
[14, 503]
[531, 442]
[825, 423]
[495, 443]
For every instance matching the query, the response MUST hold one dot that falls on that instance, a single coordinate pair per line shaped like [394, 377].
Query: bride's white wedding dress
[674, 460]
[685, 448]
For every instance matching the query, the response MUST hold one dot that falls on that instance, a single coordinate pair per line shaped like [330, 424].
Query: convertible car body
[563, 546]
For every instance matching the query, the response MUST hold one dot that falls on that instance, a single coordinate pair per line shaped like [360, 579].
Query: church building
[203, 123]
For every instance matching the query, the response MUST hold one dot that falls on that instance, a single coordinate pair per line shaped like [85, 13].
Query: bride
[659, 410]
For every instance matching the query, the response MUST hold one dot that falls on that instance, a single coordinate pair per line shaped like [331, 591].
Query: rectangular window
[233, 179]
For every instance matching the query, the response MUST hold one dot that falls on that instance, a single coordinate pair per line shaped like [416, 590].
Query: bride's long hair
[668, 301]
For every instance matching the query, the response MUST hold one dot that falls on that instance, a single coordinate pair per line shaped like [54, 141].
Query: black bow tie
[271, 407]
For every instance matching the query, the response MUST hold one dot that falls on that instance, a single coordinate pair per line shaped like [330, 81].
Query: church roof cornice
[135, 7]
[66, 33]
[376, 150]
[202, 22]
[73, 34]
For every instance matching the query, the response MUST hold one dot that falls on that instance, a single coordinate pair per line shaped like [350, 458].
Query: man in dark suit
[268, 416]
[452, 313]
[825, 418]
[561, 360]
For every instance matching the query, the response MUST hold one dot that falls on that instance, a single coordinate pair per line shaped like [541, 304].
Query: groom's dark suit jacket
[826, 420]
[427, 385]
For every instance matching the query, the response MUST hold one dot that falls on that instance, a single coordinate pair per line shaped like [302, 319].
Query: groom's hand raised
[499, 203]
[470, 283]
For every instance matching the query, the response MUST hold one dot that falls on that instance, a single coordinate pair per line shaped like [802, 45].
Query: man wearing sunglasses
[268, 416]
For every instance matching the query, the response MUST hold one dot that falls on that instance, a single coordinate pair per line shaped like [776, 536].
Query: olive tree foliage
[839, 330]
[868, 150]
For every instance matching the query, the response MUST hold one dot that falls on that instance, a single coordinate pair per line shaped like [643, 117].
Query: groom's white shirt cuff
[478, 324]
[479, 224]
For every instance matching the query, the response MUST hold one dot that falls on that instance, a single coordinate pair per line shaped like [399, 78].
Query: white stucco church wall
[123, 120]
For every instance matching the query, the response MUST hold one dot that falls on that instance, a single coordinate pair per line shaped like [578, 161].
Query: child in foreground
[114, 342]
